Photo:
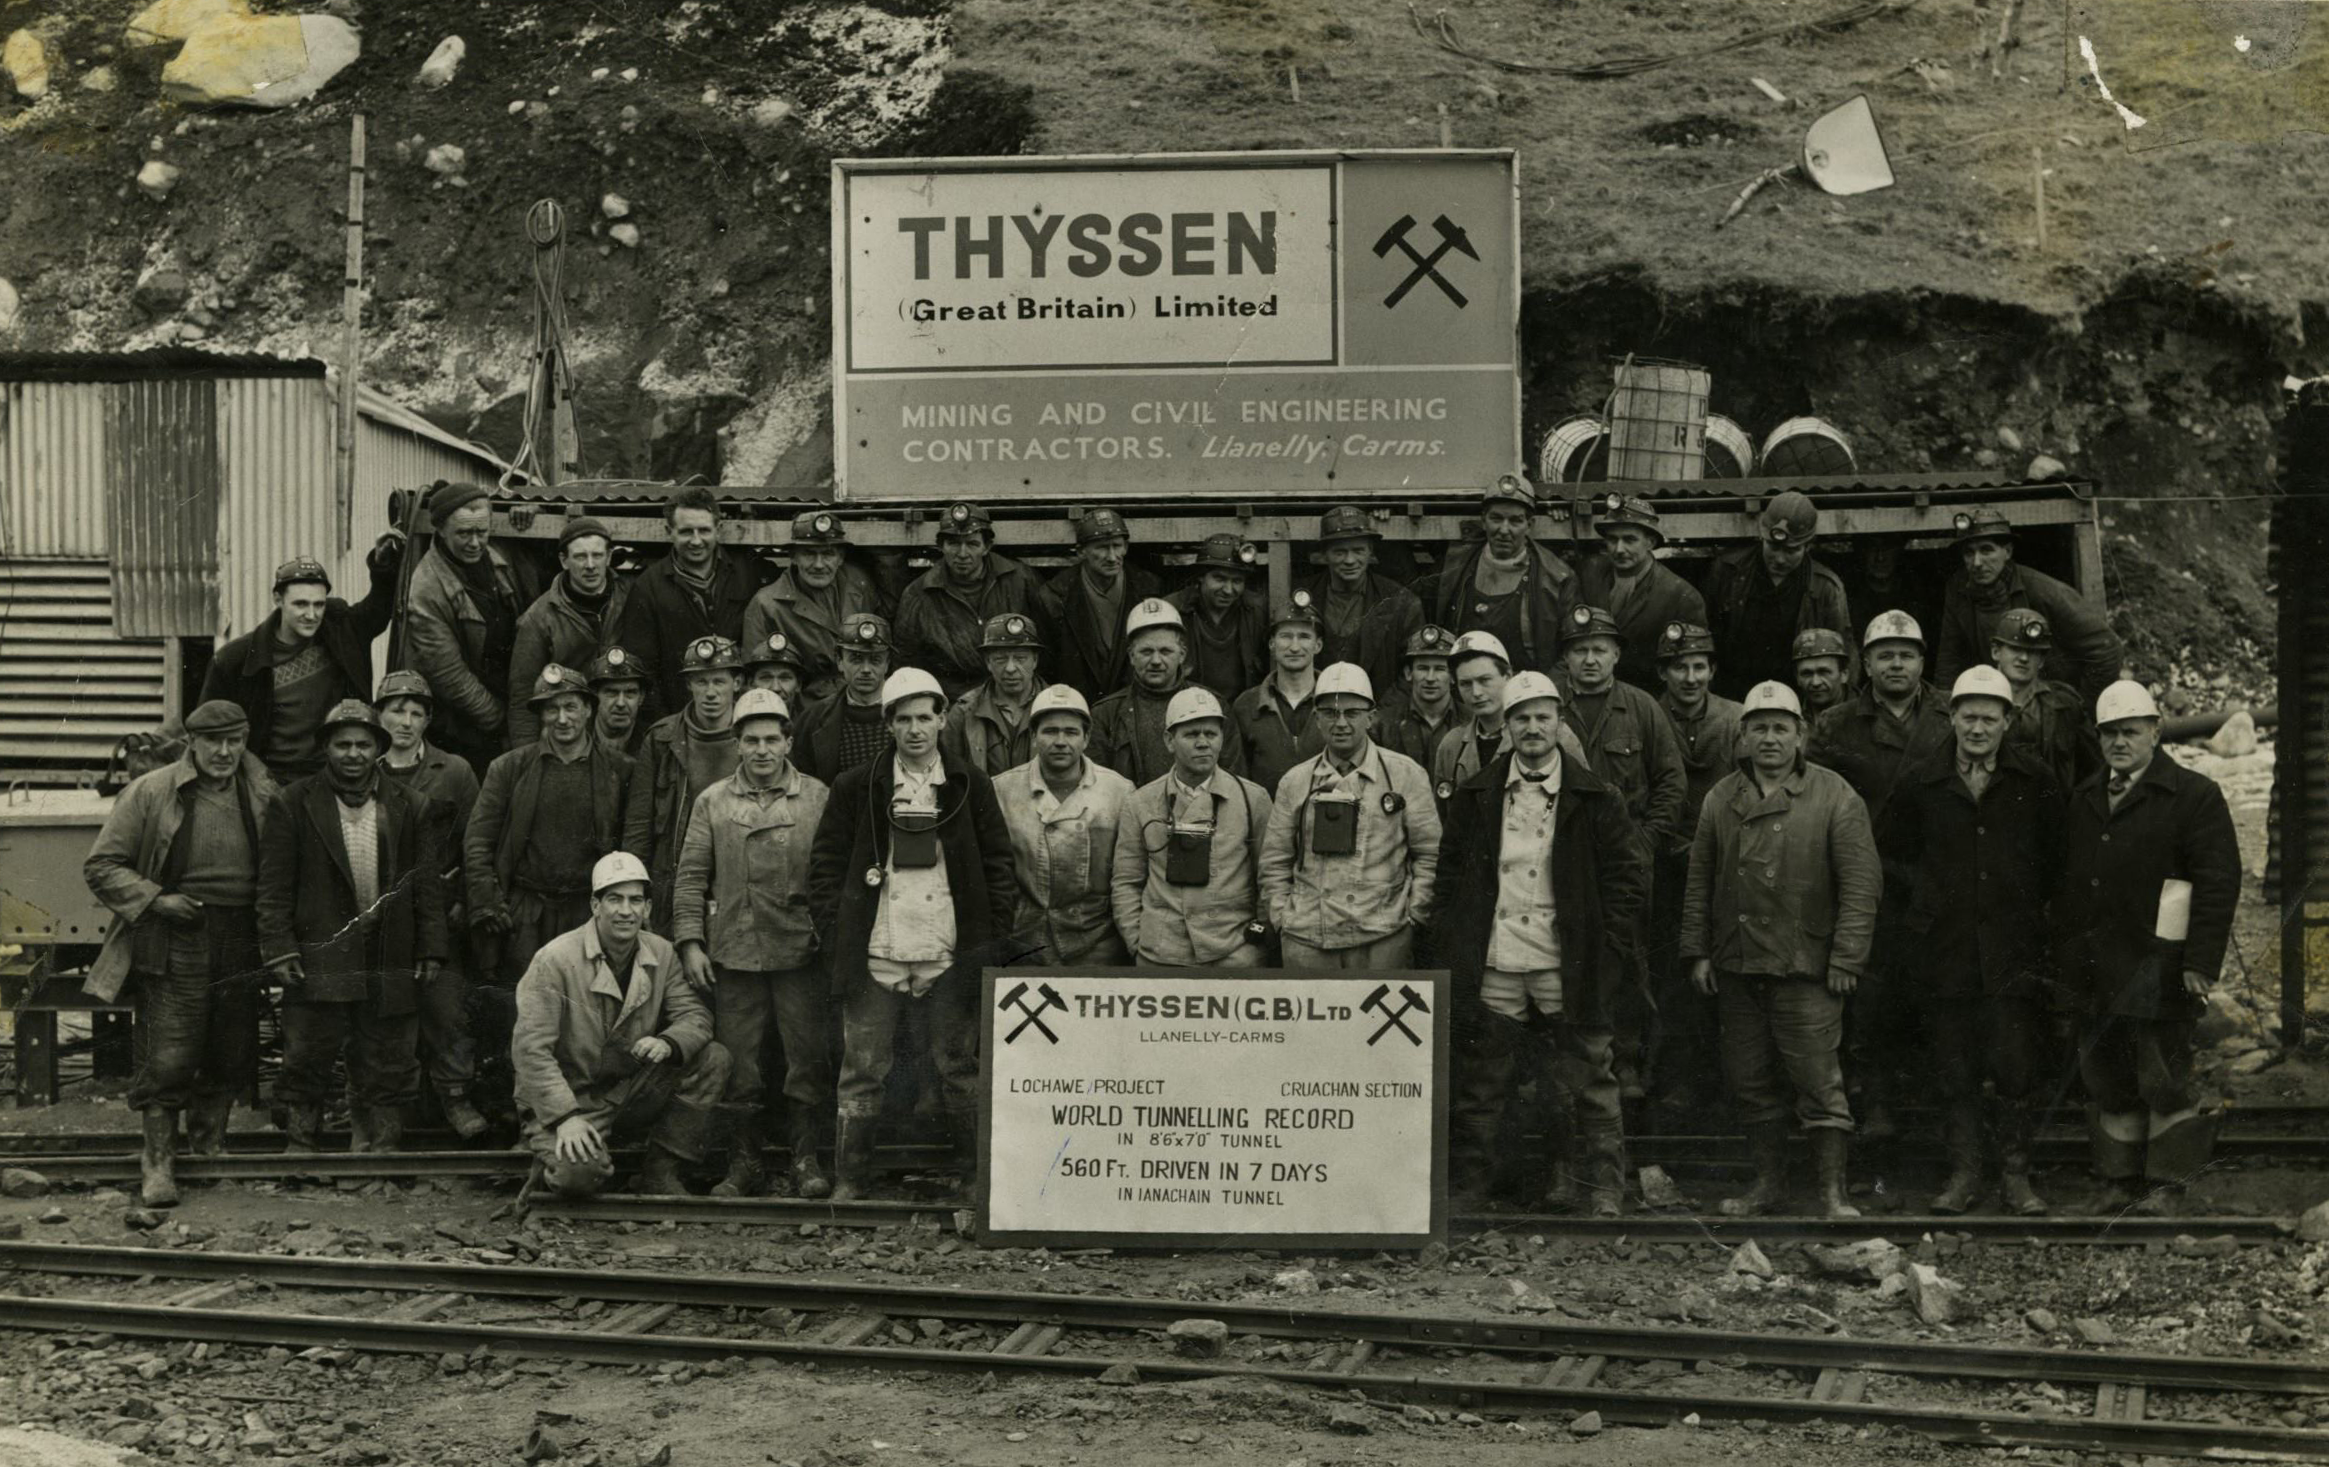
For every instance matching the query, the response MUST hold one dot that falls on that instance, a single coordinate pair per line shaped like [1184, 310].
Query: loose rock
[18, 1181]
[1349, 1420]
[772, 112]
[626, 235]
[1588, 1424]
[1658, 1189]
[1296, 1281]
[156, 180]
[1749, 1258]
[442, 64]
[160, 290]
[2008, 439]
[2237, 738]
[260, 61]
[614, 206]
[2223, 1245]
[10, 305]
[2042, 1320]
[446, 160]
[26, 61]
[1935, 1297]
[1121, 1375]
[99, 79]
[167, 22]
[2091, 1331]
[2045, 466]
[2313, 1224]
[1871, 1259]
[1203, 1338]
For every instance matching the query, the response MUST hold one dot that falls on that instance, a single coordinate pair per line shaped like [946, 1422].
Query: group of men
[728, 828]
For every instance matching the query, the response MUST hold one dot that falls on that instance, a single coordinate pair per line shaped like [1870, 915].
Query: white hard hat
[1154, 612]
[1346, 678]
[1773, 697]
[1488, 642]
[761, 703]
[910, 682]
[615, 868]
[1982, 682]
[1893, 626]
[1527, 687]
[2124, 699]
[1192, 703]
[1058, 698]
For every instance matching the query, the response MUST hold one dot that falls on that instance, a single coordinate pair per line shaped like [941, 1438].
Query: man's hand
[388, 549]
[698, 964]
[1841, 982]
[653, 1050]
[1702, 975]
[177, 908]
[2196, 985]
[428, 969]
[579, 1141]
[494, 922]
[289, 972]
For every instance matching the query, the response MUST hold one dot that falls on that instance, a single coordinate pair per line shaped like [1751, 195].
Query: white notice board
[1176, 1106]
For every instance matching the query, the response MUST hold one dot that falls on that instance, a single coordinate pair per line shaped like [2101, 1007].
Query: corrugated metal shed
[52, 469]
[161, 505]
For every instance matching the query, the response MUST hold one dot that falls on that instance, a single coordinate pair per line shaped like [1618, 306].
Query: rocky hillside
[2143, 343]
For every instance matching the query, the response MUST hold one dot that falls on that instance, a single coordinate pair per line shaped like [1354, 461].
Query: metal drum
[1807, 448]
[1576, 451]
[1657, 420]
[1730, 453]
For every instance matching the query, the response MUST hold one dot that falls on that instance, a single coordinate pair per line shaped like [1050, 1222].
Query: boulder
[2045, 466]
[1200, 1337]
[442, 63]
[17, 1181]
[1934, 1296]
[1588, 1424]
[2313, 1224]
[167, 22]
[2237, 738]
[1871, 1260]
[626, 235]
[614, 206]
[157, 179]
[2008, 439]
[26, 61]
[1749, 1258]
[260, 61]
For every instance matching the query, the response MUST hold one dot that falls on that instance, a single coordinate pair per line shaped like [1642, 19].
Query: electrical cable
[552, 380]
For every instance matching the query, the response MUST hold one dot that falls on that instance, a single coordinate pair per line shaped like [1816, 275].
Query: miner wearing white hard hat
[911, 884]
[1481, 668]
[1760, 597]
[1061, 808]
[1350, 857]
[1128, 725]
[2151, 878]
[612, 1040]
[1972, 849]
[2052, 721]
[1776, 925]
[746, 934]
[1187, 885]
[1545, 880]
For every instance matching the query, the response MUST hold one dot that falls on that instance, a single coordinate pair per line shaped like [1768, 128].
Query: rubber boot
[2164, 1199]
[963, 1136]
[1600, 1170]
[384, 1128]
[1567, 1193]
[1829, 1147]
[853, 1158]
[1483, 1090]
[463, 1117]
[660, 1176]
[157, 1163]
[206, 1123]
[303, 1123]
[1767, 1145]
[359, 1127]
[680, 1135]
[747, 1173]
[2013, 1125]
[808, 1138]
[1962, 1191]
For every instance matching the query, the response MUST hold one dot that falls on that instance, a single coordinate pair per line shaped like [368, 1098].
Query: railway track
[2115, 1401]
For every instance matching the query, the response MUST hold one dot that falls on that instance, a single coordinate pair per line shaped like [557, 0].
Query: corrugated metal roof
[161, 361]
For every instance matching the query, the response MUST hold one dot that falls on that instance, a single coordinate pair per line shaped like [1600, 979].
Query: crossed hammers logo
[1047, 997]
[1411, 1002]
[1451, 237]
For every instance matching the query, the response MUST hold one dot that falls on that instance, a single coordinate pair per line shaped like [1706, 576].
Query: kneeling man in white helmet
[612, 1040]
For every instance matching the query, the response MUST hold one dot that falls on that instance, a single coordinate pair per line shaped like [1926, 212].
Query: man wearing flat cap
[1628, 581]
[461, 623]
[178, 864]
[1084, 607]
[1225, 627]
[1364, 617]
[571, 621]
[812, 601]
[312, 651]
[352, 924]
[944, 611]
[1759, 598]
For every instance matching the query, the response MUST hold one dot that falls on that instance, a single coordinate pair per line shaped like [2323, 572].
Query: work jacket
[554, 629]
[2056, 729]
[1189, 926]
[1873, 750]
[853, 839]
[570, 1045]
[444, 641]
[136, 859]
[983, 738]
[808, 629]
[1631, 745]
[243, 670]
[2173, 825]
[447, 788]
[1400, 725]
[1272, 738]
[656, 806]
[1784, 884]
[1087, 651]
[2087, 653]
[1064, 854]
[1457, 759]
[1385, 884]
[742, 885]
[1662, 600]
[939, 625]
[1710, 750]
[817, 739]
[1393, 615]
[1738, 574]
[1128, 735]
[1967, 886]
[1229, 655]
[1598, 868]
[1549, 592]
[662, 615]
[503, 818]
[308, 907]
